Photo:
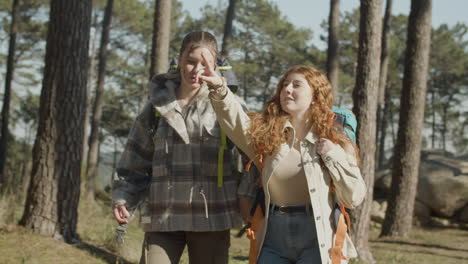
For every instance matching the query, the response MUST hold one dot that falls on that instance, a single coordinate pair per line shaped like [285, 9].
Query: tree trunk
[227, 37]
[384, 59]
[161, 37]
[7, 95]
[332, 52]
[365, 108]
[443, 131]
[144, 94]
[26, 173]
[266, 89]
[93, 152]
[91, 75]
[386, 116]
[399, 214]
[269, 74]
[244, 77]
[114, 160]
[433, 136]
[53, 194]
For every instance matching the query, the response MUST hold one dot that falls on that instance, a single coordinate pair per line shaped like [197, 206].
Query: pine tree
[365, 108]
[52, 201]
[406, 156]
[93, 151]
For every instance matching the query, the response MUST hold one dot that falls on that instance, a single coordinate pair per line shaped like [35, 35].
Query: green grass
[18, 245]
[424, 245]
[96, 228]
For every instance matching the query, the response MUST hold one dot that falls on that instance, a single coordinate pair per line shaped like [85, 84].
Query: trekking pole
[120, 232]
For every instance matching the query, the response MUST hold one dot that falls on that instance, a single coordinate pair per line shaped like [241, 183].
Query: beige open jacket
[341, 169]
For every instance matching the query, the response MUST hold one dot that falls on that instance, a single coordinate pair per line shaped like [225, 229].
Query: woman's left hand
[216, 84]
[323, 146]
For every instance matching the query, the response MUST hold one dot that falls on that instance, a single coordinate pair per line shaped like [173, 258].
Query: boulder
[378, 210]
[442, 186]
[444, 194]
[430, 168]
[383, 178]
[383, 181]
[464, 214]
[439, 222]
[458, 166]
[422, 214]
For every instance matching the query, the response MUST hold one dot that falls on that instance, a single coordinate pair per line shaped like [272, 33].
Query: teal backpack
[347, 120]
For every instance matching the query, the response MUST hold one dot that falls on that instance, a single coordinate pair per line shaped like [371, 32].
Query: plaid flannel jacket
[174, 169]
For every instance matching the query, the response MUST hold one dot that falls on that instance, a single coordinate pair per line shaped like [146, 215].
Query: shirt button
[312, 190]
[318, 218]
[322, 245]
[327, 158]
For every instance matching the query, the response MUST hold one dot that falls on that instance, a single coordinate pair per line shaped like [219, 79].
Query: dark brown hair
[198, 39]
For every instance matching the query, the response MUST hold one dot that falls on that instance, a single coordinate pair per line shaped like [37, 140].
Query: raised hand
[216, 84]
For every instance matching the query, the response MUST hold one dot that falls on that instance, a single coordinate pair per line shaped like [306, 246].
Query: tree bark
[333, 63]
[161, 37]
[365, 107]
[7, 94]
[386, 116]
[227, 37]
[384, 59]
[266, 93]
[93, 152]
[433, 136]
[244, 77]
[399, 214]
[391, 114]
[443, 130]
[53, 194]
[91, 75]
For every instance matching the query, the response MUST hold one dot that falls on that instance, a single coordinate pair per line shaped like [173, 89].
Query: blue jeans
[290, 238]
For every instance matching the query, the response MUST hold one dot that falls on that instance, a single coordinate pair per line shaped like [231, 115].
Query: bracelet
[219, 88]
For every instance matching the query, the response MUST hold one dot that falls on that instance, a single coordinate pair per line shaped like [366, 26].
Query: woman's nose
[288, 89]
[198, 67]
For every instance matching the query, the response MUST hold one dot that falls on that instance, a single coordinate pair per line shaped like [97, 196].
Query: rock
[464, 214]
[439, 222]
[442, 186]
[378, 210]
[442, 193]
[431, 168]
[456, 165]
[383, 181]
[422, 214]
[375, 225]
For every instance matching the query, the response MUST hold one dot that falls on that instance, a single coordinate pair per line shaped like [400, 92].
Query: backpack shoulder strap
[154, 121]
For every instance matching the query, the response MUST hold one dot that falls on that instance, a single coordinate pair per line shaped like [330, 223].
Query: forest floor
[96, 230]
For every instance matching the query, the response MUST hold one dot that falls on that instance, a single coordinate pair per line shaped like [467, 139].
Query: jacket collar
[163, 99]
[290, 129]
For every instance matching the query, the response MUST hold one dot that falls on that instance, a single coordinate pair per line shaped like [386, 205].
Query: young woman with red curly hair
[303, 154]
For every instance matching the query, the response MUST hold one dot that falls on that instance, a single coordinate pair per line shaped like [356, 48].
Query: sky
[310, 13]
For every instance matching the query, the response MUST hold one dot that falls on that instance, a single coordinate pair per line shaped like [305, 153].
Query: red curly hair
[267, 128]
